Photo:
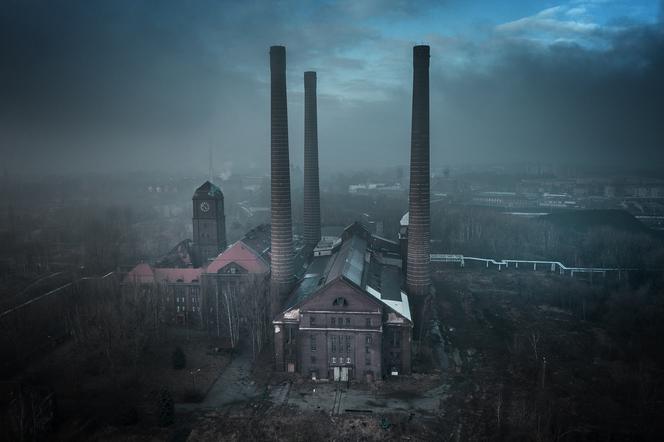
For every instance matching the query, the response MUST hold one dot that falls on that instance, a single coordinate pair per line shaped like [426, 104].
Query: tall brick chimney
[418, 273]
[311, 187]
[282, 272]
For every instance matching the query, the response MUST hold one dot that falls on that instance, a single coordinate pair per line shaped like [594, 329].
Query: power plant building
[347, 318]
[339, 308]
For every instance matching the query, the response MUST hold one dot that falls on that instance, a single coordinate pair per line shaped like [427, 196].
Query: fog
[144, 85]
[168, 272]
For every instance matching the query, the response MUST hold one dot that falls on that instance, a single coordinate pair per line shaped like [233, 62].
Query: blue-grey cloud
[133, 84]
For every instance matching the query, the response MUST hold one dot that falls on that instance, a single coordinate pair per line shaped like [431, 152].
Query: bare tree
[118, 324]
[254, 308]
[499, 406]
[30, 413]
[534, 339]
[241, 308]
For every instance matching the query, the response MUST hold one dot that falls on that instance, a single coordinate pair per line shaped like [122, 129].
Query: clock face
[205, 207]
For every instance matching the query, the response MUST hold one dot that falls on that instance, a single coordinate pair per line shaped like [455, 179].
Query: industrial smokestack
[311, 189]
[418, 278]
[282, 273]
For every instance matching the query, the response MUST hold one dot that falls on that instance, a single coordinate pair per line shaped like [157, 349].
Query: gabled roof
[173, 267]
[310, 290]
[241, 254]
[352, 264]
[208, 190]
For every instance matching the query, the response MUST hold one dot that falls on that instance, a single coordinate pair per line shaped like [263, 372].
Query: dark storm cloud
[111, 80]
[130, 81]
[152, 84]
[559, 103]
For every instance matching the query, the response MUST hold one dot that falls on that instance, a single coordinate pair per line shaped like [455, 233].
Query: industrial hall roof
[373, 275]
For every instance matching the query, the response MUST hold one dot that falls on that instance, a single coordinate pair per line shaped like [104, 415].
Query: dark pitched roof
[390, 283]
[349, 260]
[208, 190]
[258, 239]
[180, 256]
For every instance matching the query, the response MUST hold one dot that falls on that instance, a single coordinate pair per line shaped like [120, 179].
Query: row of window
[340, 343]
[184, 309]
[341, 360]
[183, 300]
[338, 321]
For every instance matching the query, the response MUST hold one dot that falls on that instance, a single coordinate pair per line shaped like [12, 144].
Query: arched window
[340, 301]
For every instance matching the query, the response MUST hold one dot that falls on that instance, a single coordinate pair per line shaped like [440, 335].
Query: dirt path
[232, 386]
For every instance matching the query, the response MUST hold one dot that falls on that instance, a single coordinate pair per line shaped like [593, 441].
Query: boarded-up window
[396, 338]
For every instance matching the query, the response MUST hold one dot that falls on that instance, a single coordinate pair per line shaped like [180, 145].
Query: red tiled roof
[141, 274]
[145, 274]
[241, 254]
[177, 275]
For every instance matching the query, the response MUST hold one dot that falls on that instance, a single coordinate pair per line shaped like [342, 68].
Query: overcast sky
[152, 84]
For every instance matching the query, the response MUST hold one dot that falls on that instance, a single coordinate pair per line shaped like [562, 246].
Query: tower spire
[210, 164]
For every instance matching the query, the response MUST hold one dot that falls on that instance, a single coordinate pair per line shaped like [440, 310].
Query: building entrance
[342, 374]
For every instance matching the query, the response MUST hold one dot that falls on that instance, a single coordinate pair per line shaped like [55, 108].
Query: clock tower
[209, 222]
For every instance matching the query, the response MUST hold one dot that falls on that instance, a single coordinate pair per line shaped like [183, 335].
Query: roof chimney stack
[418, 278]
[282, 272]
[312, 233]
